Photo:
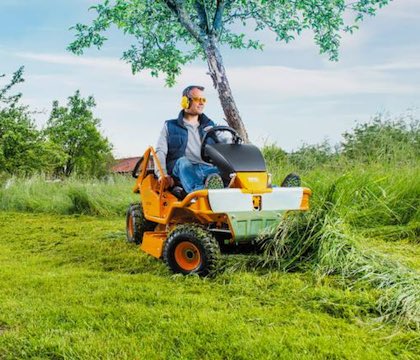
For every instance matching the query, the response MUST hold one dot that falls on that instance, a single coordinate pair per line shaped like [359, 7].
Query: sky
[287, 94]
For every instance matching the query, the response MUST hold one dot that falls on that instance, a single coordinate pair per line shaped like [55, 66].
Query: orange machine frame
[165, 209]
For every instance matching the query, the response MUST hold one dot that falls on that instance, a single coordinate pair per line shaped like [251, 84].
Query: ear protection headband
[186, 100]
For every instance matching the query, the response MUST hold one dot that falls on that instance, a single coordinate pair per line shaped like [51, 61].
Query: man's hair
[187, 90]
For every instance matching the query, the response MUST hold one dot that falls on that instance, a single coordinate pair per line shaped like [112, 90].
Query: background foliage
[160, 29]
[74, 129]
[71, 142]
[323, 277]
[346, 272]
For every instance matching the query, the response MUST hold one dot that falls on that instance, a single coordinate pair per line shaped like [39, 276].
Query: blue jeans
[192, 176]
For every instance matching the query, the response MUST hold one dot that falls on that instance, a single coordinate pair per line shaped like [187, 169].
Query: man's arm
[162, 150]
[221, 136]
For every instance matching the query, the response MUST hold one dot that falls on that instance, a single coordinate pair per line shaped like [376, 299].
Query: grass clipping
[320, 240]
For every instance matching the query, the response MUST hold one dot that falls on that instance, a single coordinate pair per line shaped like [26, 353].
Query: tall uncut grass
[367, 187]
[322, 241]
[105, 197]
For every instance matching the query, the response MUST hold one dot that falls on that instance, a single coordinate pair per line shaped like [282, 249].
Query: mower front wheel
[137, 224]
[191, 249]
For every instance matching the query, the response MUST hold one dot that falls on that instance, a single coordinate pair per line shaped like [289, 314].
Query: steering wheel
[211, 133]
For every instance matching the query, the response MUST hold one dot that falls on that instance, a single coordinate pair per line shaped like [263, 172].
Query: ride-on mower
[189, 230]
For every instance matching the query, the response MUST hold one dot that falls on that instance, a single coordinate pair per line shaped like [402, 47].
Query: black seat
[232, 158]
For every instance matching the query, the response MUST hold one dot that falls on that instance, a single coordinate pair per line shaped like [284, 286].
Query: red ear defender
[185, 102]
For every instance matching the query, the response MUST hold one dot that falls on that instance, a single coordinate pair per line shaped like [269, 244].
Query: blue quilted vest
[178, 137]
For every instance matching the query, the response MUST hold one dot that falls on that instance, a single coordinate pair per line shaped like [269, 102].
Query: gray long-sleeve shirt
[192, 151]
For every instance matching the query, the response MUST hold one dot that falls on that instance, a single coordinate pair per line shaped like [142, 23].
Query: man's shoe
[291, 180]
[214, 181]
[179, 192]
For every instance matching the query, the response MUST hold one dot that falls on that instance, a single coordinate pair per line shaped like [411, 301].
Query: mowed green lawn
[71, 288]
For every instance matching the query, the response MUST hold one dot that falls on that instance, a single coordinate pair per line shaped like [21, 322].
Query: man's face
[196, 106]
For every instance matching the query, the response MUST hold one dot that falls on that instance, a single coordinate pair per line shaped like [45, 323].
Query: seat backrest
[232, 158]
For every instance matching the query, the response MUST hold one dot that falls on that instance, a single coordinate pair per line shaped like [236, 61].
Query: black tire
[291, 180]
[136, 224]
[189, 249]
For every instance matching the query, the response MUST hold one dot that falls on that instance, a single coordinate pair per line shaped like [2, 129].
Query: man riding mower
[189, 230]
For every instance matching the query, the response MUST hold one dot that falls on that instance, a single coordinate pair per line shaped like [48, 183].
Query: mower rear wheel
[291, 180]
[191, 249]
[137, 224]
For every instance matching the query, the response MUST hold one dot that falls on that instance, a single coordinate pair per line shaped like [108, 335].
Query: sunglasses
[199, 100]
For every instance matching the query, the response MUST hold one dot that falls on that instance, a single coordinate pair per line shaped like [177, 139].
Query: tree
[163, 28]
[11, 100]
[23, 149]
[75, 130]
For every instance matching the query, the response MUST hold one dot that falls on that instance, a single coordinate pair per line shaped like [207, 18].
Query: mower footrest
[152, 243]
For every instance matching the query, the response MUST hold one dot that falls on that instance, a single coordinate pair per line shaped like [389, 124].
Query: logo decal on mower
[253, 179]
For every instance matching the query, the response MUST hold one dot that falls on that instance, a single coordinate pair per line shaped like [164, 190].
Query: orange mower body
[190, 232]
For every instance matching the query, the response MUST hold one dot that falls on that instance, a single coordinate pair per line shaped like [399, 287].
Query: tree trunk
[221, 84]
[69, 167]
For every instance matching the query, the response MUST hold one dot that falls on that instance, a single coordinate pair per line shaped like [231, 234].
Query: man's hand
[168, 181]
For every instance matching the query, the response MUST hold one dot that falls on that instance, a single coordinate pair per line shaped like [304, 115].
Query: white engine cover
[234, 200]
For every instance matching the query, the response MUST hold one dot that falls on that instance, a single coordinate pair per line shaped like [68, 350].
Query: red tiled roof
[125, 165]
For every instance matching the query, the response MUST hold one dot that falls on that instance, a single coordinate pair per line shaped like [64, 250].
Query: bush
[384, 140]
[274, 155]
[309, 156]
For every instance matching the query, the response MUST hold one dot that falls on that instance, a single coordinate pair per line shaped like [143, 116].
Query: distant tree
[75, 130]
[172, 33]
[23, 148]
[7, 100]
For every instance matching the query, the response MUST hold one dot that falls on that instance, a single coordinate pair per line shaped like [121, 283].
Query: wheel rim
[187, 256]
[130, 226]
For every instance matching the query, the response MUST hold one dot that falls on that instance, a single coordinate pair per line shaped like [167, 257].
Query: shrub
[309, 156]
[384, 140]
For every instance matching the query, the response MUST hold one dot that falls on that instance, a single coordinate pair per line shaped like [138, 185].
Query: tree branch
[202, 16]
[177, 8]
[217, 21]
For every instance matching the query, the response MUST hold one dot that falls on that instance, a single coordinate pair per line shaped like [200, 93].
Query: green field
[71, 288]
[341, 281]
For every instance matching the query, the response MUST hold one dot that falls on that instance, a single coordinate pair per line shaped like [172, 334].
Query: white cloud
[399, 65]
[104, 63]
[294, 82]
[287, 81]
